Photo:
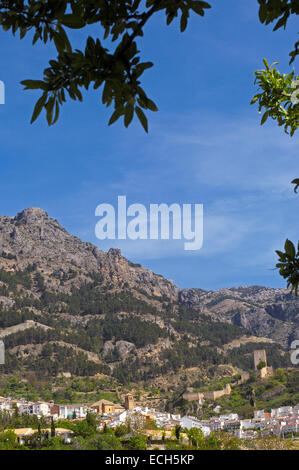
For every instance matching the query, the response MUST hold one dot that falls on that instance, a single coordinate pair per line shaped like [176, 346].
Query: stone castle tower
[129, 402]
[259, 356]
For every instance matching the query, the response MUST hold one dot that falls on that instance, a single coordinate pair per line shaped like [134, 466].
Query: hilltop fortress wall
[209, 395]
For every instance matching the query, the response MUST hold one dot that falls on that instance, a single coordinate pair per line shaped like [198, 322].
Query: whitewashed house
[259, 414]
[68, 411]
[118, 419]
[247, 424]
[229, 417]
[188, 422]
[282, 412]
[39, 408]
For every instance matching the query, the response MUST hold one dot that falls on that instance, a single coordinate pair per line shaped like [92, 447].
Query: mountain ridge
[32, 237]
[138, 323]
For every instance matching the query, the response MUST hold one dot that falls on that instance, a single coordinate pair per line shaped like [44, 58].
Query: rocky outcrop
[6, 302]
[123, 348]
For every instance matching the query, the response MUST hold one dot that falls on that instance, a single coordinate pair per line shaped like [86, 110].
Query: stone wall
[209, 395]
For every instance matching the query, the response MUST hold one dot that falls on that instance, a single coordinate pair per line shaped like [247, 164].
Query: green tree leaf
[73, 21]
[142, 118]
[38, 107]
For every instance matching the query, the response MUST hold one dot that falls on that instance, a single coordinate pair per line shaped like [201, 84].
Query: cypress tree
[52, 427]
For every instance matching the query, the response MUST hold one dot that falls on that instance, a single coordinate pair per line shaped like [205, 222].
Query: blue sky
[205, 145]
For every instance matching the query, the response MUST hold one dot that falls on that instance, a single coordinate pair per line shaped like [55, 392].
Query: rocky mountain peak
[66, 262]
[31, 215]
